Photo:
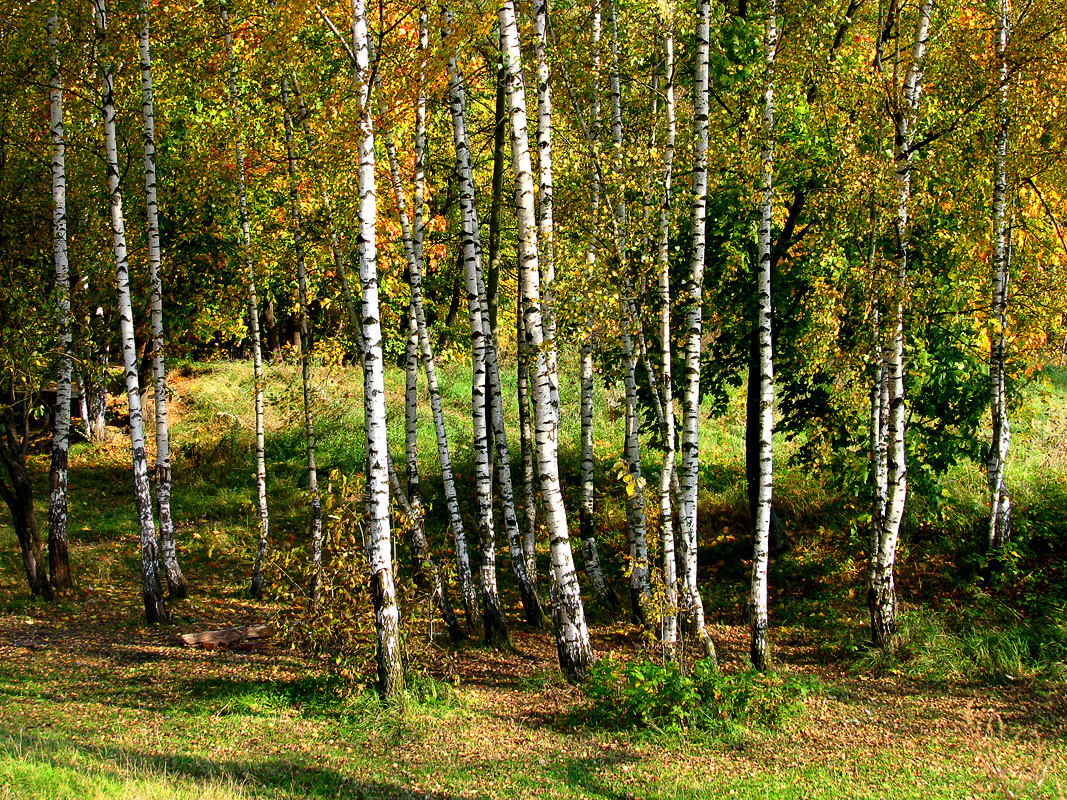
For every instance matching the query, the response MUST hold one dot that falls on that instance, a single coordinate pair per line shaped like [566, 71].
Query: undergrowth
[953, 646]
[652, 695]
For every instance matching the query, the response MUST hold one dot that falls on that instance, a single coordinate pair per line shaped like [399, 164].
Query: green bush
[647, 695]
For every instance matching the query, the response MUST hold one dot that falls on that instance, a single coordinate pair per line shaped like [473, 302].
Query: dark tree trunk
[450, 317]
[17, 492]
[273, 345]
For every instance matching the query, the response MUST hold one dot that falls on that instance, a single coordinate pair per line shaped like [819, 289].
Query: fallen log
[227, 637]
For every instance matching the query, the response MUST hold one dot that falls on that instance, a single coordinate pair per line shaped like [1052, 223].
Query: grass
[92, 704]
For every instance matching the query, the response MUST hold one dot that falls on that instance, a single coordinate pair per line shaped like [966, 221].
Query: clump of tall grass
[939, 646]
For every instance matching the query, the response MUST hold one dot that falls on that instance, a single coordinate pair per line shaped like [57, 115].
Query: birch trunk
[692, 604]
[500, 142]
[637, 528]
[496, 632]
[418, 532]
[413, 254]
[412, 510]
[305, 351]
[176, 585]
[879, 400]
[418, 199]
[487, 385]
[760, 555]
[379, 539]
[669, 617]
[1000, 509]
[586, 523]
[58, 560]
[640, 584]
[152, 590]
[411, 452]
[96, 375]
[568, 612]
[253, 319]
[546, 228]
[881, 596]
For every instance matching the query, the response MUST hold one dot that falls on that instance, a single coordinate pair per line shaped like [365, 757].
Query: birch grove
[842, 271]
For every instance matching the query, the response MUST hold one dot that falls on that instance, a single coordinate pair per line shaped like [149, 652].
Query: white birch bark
[58, 561]
[379, 539]
[637, 528]
[879, 398]
[1000, 507]
[418, 200]
[253, 318]
[546, 228]
[494, 626]
[761, 543]
[152, 590]
[412, 252]
[568, 612]
[586, 523]
[485, 387]
[305, 351]
[692, 604]
[669, 617]
[414, 516]
[882, 593]
[176, 585]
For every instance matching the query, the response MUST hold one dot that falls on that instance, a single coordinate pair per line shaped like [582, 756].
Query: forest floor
[93, 704]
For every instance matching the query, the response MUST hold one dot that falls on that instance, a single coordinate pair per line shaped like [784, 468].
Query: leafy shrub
[653, 695]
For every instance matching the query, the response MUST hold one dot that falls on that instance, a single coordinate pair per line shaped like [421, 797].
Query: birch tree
[486, 396]
[881, 594]
[152, 590]
[305, 349]
[176, 586]
[669, 621]
[494, 626]
[1000, 509]
[568, 612]
[379, 539]
[636, 521]
[58, 561]
[690, 467]
[253, 317]
[760, 555]
[586, 527]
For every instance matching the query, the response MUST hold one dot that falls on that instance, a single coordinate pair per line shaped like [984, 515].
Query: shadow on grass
[594, 774]
[272, 777]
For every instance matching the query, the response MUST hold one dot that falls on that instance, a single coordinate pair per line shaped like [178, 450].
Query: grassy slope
[93, 705]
